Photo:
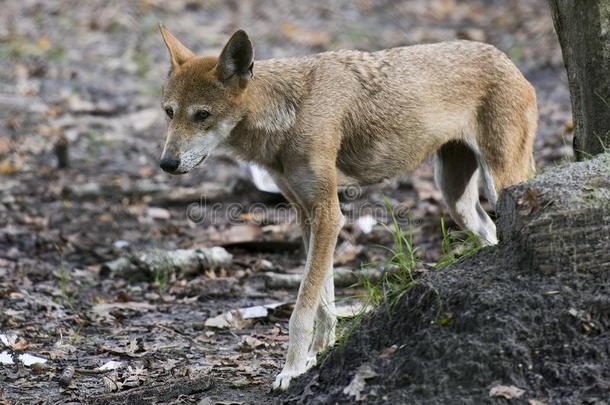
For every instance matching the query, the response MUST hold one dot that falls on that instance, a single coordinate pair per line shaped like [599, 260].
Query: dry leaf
[355, 387]
[110, 365]
[6, 358]
[388, 351]
[104, 311]
[12, 341]
[366, 223]
[249, 343]
[238, 318]
[29, 359]
[506, 391]
[10, 165]
[158, 213]
[531, 200]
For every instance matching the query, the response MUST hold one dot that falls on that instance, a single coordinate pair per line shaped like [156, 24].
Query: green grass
[398, 271]
[75, 337]
[64, 281]
[397, 277]
[161, 279]
[162, 271]
[456, 245]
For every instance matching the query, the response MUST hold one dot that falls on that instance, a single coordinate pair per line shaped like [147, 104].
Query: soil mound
[528, 320]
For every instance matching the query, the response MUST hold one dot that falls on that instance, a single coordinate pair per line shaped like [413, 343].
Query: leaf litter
[94, 103]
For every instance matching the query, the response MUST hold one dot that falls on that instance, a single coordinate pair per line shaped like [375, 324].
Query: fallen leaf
[444, 321]
[158, 213]
[29, 359]
[5, 145]
[531, 200]
[6, 358]
[8, 338]
[135, 348]
[104, 311]
[44, 43]
[110, 365]
[506, 391]
[366, 223]
[10, 165]
[249, 343]
[135, 376]
[61, 350]
[388, 351]
[111, 381]
[12, 341]
[355, 387]
[235, 318]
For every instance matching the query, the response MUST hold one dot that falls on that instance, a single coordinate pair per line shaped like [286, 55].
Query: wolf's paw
[282, 381]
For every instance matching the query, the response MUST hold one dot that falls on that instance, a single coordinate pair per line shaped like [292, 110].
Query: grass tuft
[456, 245]
[397, 277]
[398, 271]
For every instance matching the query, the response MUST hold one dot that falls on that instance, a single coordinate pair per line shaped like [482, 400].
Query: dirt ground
[89, 74]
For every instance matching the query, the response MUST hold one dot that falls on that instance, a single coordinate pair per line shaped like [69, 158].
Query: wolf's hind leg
[456, 171]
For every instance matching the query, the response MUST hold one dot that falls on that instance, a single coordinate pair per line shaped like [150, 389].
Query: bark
[163, 392]
[583, 29]
[145, 264]
[561, 218]
[344, 278]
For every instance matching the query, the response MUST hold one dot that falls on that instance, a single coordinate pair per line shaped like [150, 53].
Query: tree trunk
[583, 28]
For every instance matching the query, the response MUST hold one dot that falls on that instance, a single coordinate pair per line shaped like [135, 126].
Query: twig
[93, 371]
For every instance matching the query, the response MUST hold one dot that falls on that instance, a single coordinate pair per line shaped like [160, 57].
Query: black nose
[170, 163]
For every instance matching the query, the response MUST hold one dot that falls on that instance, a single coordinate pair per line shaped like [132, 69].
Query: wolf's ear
[236, 59]
[177, 52]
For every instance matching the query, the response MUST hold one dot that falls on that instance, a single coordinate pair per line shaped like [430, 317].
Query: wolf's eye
[169, 112]
[201, 116]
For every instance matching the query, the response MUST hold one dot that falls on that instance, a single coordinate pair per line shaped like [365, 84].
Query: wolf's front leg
[326, 319]
[326, 221]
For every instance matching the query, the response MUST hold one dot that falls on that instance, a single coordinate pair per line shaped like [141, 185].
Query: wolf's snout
[170, 163]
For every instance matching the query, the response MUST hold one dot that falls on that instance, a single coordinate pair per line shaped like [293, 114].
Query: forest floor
[89, 74]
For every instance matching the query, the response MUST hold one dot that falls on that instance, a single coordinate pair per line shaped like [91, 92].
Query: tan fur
[324, 121]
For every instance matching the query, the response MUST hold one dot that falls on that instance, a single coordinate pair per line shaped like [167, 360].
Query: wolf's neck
[272, 101]
[273, 95]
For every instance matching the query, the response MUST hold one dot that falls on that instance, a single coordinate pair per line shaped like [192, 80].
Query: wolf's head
[202, 99]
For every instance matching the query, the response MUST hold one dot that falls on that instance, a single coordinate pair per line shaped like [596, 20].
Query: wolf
[321, 122]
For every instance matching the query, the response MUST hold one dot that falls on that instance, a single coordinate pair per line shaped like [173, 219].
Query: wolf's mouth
[204, 157]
